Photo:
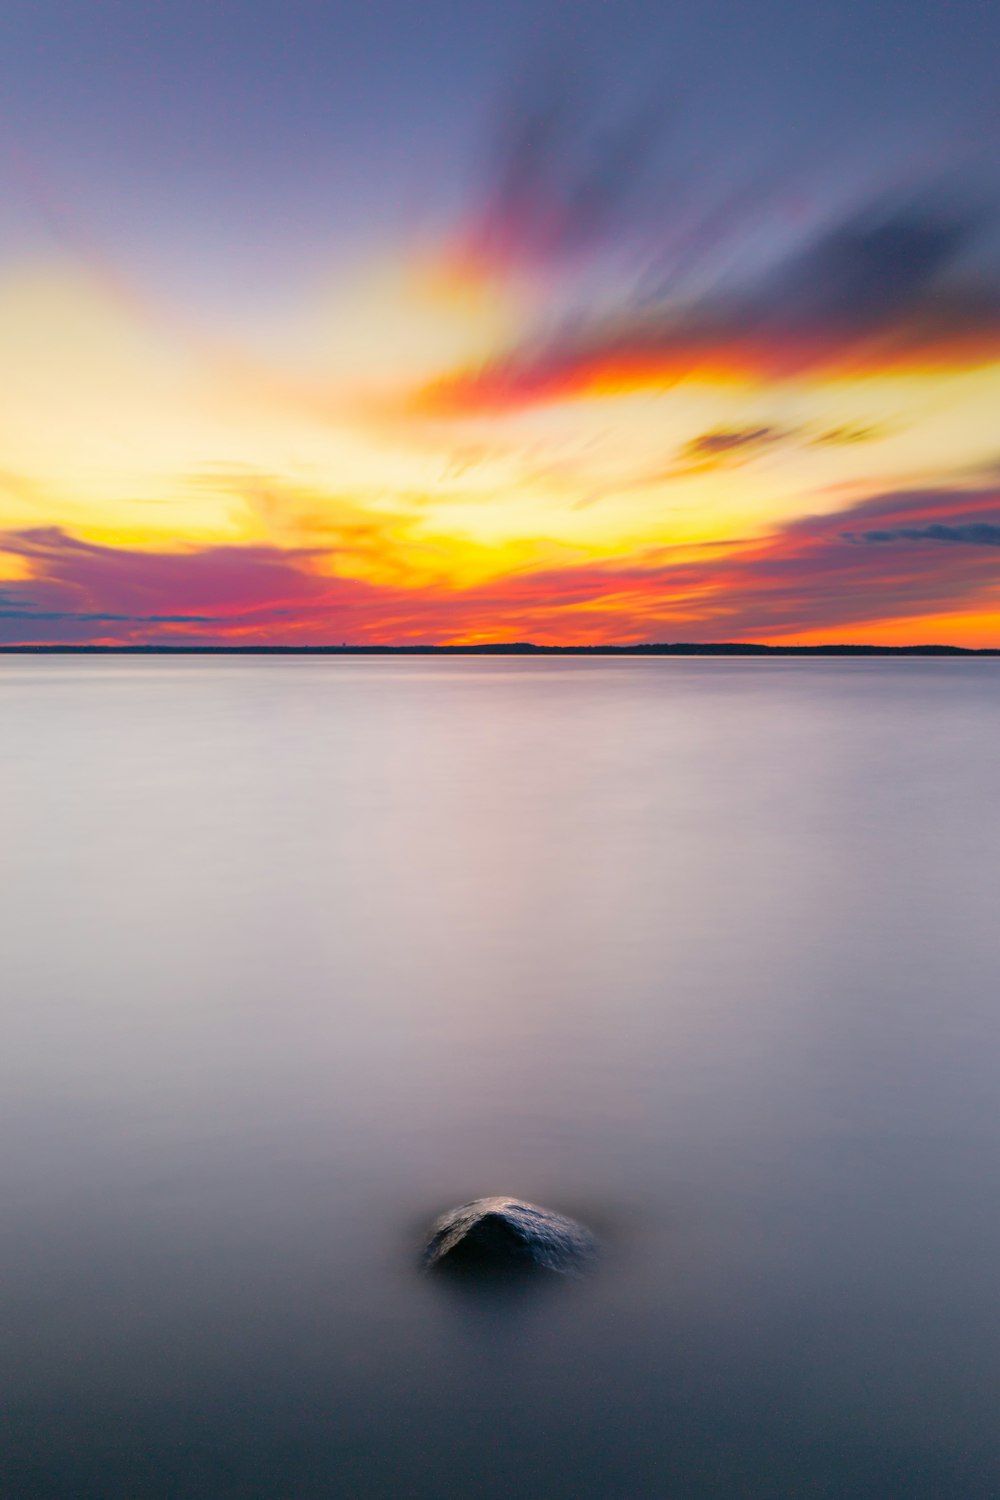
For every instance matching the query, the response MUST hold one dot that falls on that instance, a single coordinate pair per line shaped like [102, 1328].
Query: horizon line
[504, 648]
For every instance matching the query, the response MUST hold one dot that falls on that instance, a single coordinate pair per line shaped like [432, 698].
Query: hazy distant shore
[516, 648]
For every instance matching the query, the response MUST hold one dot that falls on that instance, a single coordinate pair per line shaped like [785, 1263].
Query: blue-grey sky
[263, 134]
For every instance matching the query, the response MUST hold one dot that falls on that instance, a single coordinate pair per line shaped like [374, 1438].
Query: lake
[297, 953]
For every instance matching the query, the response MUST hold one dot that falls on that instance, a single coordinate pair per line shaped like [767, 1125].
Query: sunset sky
[470, 322]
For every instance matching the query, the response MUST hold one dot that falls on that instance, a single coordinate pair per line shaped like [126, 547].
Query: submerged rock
[506, 1235]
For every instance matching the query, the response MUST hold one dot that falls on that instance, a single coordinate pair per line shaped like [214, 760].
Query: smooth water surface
[297, 953]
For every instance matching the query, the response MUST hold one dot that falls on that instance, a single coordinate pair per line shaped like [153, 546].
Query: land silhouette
[511, 648]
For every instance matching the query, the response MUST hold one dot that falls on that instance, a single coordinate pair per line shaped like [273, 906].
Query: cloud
[812, 576]
[739, 440]
[135, 583]
[972, 534]
[847, 434]
[221, 588]
[35, 615]
[872, 267]
[728, 446]
[561, 178]
[805, 578]
[884, 288]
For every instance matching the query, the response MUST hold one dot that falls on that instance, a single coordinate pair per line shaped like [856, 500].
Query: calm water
[295, 954]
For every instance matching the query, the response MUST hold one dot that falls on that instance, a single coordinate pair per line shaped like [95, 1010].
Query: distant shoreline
[515, 648]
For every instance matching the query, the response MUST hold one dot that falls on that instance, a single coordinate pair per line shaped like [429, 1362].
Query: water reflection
[297, 953]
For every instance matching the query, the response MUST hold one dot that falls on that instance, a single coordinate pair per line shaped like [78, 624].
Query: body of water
[296, 953]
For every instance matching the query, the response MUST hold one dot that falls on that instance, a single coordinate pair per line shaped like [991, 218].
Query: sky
[466, 322]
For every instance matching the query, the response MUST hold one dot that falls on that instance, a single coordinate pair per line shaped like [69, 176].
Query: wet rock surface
[506, 1236]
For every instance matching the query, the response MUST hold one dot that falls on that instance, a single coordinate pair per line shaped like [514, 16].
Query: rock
[508, 1236]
